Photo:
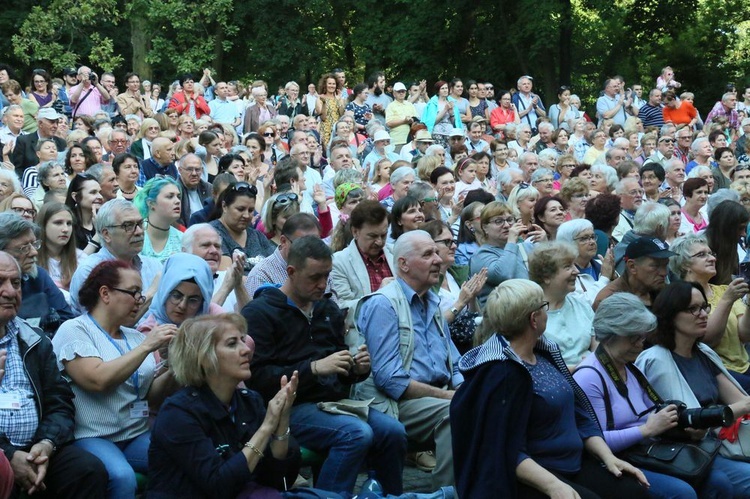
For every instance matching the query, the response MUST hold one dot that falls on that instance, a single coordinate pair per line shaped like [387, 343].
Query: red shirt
[377, 269]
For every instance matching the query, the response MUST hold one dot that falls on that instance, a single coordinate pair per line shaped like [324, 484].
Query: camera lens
[703, 418]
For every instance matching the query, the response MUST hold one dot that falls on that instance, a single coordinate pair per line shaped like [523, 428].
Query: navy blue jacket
[196, 447]
[40, 294]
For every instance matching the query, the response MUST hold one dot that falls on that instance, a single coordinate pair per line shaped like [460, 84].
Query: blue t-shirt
[552, 438]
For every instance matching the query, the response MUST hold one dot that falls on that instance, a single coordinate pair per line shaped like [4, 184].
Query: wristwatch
[455, 311]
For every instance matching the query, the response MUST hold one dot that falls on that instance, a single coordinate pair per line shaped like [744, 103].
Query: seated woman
[401, 178]
[347, 197]
[728, 326]
[233, 218]
[519, 395]
[593, 274]
[277, 209]
[126, 168]
[469, 232]
[58, 254]
[84, 199]
[522, 200]
[111, 368]
[46, 150]
[8, 184]
[576, 194]
[160, 204]
[78, 159]
[681, 367]
[185, 291]
[458, 294]
[255, 450]
[620, 325]
[506, 248]
[51, 177]
[549, 213]
[696, 194]
[569, 315]
[406, 216]
[19, 204]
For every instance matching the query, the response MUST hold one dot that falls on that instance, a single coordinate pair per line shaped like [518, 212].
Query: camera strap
[78, 104]
[606, 361]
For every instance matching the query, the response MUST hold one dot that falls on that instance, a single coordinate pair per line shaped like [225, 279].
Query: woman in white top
[569, 317]
[111, 368]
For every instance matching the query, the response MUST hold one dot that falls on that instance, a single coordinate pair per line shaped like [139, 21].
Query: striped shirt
[104, 415]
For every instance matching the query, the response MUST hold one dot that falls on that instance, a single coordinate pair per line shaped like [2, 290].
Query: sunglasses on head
[285, 199]
[244, 187]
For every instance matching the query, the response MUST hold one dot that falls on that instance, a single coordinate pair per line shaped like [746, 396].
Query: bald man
[161, 161]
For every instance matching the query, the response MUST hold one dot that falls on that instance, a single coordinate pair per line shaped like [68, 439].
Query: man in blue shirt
[414, 361]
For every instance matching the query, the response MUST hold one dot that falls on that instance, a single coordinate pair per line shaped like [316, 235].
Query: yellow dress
[328, 119]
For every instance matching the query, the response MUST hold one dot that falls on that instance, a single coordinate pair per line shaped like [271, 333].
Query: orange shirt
[680, 116]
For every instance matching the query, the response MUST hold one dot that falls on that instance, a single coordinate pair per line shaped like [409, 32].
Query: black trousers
[73, 473]
[593, 481]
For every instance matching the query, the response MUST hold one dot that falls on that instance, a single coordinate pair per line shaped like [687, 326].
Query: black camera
[93, 77]
[700, 418]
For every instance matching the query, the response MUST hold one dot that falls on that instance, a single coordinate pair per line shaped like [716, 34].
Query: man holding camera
[87, 97]
[399, 116]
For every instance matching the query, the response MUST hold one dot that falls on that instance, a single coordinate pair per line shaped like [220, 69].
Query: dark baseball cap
[70, 72]
[647, 246]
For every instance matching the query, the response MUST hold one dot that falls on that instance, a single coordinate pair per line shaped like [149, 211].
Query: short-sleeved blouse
[104, 415]
[174, 245]
[256, 244]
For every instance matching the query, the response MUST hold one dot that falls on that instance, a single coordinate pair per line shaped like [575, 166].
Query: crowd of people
[205, 286]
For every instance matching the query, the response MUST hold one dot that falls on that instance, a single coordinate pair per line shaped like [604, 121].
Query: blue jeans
[734, 473]
[668, 487]
[122, 460]
[349, 442]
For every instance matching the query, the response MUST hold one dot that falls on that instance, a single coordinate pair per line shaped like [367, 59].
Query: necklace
[150, 224]
[129, 192]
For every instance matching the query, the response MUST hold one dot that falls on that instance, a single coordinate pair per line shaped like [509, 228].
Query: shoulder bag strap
[78, 104]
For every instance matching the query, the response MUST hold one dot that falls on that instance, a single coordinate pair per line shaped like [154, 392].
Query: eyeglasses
[703, 254]
[503, 221]
[176, 297]
[696, 310]
[129, 227]
[429, 200]
[136, 295]
[285, 199]
[191, 170]
[637, 192]
[634, 340]
[269, 134]
[523, 185]
[569, 165]
[668, 141]
[584, 239]
[118, 141]
[447, 242]
[544, 179]
[581, 196]
[26, 248]
[24, 211]
[244, 187]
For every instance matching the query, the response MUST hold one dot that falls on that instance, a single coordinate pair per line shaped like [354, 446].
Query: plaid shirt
[720, 110]
[377, 270]
[19, 425]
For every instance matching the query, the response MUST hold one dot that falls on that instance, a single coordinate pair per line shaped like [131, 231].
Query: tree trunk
[566, 35]
[139, 39]
[219, 52]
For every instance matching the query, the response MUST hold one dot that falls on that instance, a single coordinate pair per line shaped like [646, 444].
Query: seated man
[298, 328]
[120, 227]
[414, 361]
[272, 270]
[45, 305]
[646, 260]
[366, 264]
[37, 414]
[229, 288]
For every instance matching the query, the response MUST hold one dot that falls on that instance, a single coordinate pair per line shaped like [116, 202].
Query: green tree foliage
[578, 42]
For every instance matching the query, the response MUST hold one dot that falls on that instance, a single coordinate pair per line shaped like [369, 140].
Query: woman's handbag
[687, 460]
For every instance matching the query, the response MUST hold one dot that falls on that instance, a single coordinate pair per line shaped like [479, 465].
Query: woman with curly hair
[328, 106]
[604, 213]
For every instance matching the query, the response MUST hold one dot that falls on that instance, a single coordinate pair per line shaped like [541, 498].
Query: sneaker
[424, 461]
